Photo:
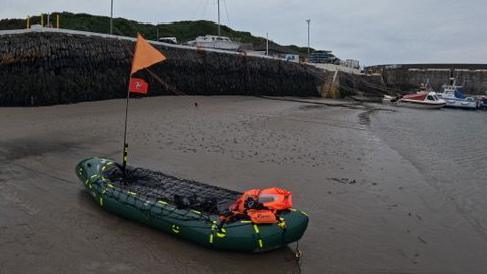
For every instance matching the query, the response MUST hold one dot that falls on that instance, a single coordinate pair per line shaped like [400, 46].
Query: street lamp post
[111, 16]
[266, 43]
[308, 21]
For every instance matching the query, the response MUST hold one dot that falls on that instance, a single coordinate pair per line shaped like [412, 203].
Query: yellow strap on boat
[222, 233]
[196, 211]
[105, 166]
[211, 238]
[131, 193]
[101, 201]
[176, 229]
[246, 222]
[257, 231]
[162, 202]
[89, 180]
[282, 223]
[304, 213]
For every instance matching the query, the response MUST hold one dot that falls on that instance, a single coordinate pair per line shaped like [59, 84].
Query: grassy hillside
[182, 30]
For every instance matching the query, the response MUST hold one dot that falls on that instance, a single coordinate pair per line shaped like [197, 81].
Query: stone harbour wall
[473, 77]
[45, 68]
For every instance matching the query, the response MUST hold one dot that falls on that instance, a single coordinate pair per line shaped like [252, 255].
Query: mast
[111, 17]
[219, 30]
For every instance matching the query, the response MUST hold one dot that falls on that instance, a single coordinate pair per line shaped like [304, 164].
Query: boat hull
[218, 45]
[420, 105]
[456, 103]
[420, 100]
[187, 223]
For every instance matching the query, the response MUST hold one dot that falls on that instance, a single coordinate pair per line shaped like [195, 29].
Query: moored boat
[215, 42]
[424, 100]
[482, 103]
[195, 211]
[455, 97]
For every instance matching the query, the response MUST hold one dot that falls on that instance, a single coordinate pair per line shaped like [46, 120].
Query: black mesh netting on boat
[185, 194]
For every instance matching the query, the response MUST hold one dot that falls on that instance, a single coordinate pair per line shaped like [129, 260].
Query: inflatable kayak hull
[188, 223]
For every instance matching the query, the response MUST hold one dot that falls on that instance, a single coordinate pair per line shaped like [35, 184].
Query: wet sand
[371, 209]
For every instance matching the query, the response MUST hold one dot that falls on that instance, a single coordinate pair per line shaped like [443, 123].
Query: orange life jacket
[239, 205]
[272, 199]
[262, 216]
[279, 199]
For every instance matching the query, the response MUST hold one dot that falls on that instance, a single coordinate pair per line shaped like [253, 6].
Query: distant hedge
[183, 30]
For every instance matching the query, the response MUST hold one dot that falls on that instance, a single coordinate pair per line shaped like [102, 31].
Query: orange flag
[145, 55]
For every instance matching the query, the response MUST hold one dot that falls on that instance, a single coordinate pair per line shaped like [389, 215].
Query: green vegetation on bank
[182, 30]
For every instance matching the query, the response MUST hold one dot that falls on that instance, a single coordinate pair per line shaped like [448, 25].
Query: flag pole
[125, 145]
[144, 56]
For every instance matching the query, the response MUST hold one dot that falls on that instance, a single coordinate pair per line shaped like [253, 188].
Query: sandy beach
[371, 209]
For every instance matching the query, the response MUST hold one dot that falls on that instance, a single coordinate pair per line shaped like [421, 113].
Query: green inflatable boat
[184, 208]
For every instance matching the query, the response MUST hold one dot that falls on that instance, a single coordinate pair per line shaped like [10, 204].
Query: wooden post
[42, 20]
[57, 20]
[28, 22]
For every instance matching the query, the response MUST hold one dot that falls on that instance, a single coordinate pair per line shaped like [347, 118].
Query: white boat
[422, 99]
[214, 42]
[454, 97]
[169, 40]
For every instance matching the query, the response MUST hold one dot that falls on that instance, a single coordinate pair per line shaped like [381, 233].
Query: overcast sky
[373, 31]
